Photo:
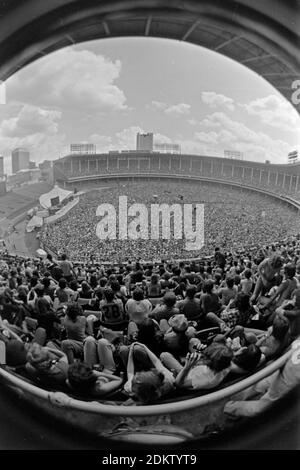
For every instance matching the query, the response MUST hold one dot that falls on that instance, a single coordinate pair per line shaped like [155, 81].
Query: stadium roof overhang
[262, 35]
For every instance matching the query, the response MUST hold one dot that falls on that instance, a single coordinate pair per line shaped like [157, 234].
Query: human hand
[199, 347]
[191, 359]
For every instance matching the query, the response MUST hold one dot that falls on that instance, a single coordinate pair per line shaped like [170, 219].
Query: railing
[160, 409]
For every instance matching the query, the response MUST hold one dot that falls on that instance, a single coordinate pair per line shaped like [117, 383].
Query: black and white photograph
[149, 229]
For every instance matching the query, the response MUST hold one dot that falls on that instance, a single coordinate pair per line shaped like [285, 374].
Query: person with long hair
[201, 371]
[77, 329]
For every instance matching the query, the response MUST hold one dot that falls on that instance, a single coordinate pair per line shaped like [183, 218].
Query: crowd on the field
[233, 220]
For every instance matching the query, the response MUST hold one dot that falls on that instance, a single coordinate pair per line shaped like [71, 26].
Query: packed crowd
[233, 220]
[147, 331]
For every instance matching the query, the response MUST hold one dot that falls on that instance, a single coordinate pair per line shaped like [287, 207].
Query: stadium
[245, 186]
[142, 341]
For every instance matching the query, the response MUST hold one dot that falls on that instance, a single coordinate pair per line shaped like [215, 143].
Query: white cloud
[178, 109]
[34, 128]
[158, 105]
[193, 147]
[31, 120]
[126, 139]
[102, 142]
[70, 79]
[274, 111]
[216, 100]
[175, 110]
[206, 137]
[122, 140]
[162, 139]
[234, 135]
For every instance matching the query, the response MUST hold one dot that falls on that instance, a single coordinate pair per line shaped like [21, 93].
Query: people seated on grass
[177, 338]
[290, 309]
[46, 318]
[86, 382]
[48, 365]
[112, 311]
[284, 292]
[238, 311]
[31, 296]
[267, 271]
[154, 287]
[77, 328]
[105, 352]
[11, 309]
[147, 378]
[209, 300]
[110, 335]
[119, 291]
[67, 267]
[165, 310]
[262, 395]
[276, 338]
[181, 287]
[190, 307]
[228, 291]
[247, 359]
[49, 288]
[201, 371]
[63, 294]
[85, 292]
[138, 308]
[247, 282]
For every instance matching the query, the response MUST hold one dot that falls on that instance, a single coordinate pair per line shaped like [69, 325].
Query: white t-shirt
[138, 310]
[203, 377]
[287, 378]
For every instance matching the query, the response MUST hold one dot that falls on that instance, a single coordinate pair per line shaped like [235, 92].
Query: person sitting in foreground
[148, 378]
[88, 382]
[267, 270]
[276, 338]
[247, 359]
[166, 309]
[269, 390]
[284, 292]
[138, 308]
[177, 338]
[238, 311]
[48, 365]
[77, 328]
[201, 371]
[190, 307]
[291, 311]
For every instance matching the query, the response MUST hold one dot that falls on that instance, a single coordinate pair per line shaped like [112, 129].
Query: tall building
[20, 160]
[1, 165]
[82, 148]
[144, 141]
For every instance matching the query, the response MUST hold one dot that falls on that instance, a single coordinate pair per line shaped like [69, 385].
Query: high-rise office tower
[144, 141]
[20, 159]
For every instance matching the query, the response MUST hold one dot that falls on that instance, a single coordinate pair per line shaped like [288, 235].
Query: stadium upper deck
[279, 179]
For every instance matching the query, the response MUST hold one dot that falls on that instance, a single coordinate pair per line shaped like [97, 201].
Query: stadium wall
[279, 179]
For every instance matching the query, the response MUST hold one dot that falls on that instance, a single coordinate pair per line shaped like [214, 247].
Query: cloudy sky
[106, 91]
